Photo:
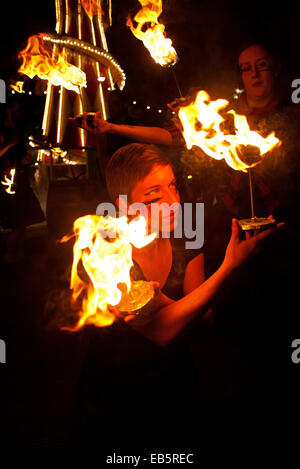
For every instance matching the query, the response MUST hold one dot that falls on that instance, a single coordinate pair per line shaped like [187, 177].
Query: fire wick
[176, 81]
[251, 193]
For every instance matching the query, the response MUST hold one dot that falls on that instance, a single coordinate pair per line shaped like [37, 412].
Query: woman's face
[158, 187]
[257, 69]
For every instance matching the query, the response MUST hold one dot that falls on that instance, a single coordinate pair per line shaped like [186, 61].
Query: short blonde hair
[131, 164]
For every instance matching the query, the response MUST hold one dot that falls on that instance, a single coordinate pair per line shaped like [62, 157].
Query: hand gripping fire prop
[202, 126]
[102, 259]
[152, 34]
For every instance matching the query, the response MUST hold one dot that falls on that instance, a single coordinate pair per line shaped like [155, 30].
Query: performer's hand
[239, 251]
[180, 102]
[99, 126]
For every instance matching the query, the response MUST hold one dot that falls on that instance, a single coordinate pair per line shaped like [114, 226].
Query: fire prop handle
[176, 82]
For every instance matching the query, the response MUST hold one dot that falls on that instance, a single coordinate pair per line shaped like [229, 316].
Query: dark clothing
[138, 384]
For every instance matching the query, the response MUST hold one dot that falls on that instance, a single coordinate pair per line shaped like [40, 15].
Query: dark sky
[205, 33]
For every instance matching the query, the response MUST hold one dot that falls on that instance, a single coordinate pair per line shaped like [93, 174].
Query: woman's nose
[255, 72]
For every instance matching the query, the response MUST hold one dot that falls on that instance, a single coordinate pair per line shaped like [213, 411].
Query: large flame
[9, 181]
[92, 7]
[38, 61]
[103, 246]
[201, 123]
[154, 38]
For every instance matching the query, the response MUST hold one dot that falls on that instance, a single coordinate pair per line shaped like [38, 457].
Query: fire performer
[146, 176]
[266, 103]
[148, 383]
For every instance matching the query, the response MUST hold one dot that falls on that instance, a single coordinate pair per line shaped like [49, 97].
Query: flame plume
[154, 38]
[202, 126]
[38, 61]
[103, 246]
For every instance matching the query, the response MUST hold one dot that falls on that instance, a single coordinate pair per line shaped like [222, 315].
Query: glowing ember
[9, 182]
[38, 61]
[92, 7]
[201, 123]
[153, 37]
[103, 247]
[18, 86]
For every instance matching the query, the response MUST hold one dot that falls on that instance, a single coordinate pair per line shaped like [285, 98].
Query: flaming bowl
[141, 292]
[256, 223]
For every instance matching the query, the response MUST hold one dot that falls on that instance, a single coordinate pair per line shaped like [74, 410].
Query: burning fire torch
[202, 126]
[101, 268]
[153, 36]
[38, 61]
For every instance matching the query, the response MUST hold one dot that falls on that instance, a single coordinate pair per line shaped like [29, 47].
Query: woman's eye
[263, 65]
[245, 69]
[152, 201]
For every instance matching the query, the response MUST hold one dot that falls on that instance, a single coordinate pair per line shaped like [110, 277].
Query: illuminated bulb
[189, 176]
[133, 102]
[159, 110]
[148, 107]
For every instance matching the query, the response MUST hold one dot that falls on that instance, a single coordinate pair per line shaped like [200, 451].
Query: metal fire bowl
[255, 223]
[141, 292]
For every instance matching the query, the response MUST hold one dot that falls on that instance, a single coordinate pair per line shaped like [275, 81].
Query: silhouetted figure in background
[21, 208]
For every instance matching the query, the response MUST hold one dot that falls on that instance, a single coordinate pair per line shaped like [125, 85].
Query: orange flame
[201, 123]
[153, 38]
[18, 86]
[107, 263]
[38, 61]
[92, 7]
[9, 182]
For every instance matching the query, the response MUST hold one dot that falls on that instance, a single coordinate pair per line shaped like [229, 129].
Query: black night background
[37, 404]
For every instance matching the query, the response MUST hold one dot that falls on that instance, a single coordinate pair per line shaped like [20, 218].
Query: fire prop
[154, 38]
[38, 61]
[202, 126]
[9, 182]
[103, 248]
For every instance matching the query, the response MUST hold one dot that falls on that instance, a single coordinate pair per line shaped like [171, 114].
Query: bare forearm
[154, 135]
[171, 319]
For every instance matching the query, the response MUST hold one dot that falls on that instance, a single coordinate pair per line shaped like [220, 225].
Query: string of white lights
[94, 51]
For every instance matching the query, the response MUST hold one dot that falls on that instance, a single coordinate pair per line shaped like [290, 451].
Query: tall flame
[103, 246]
[38, 61]
[92, 7]
[201, 123]
[154, 38]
